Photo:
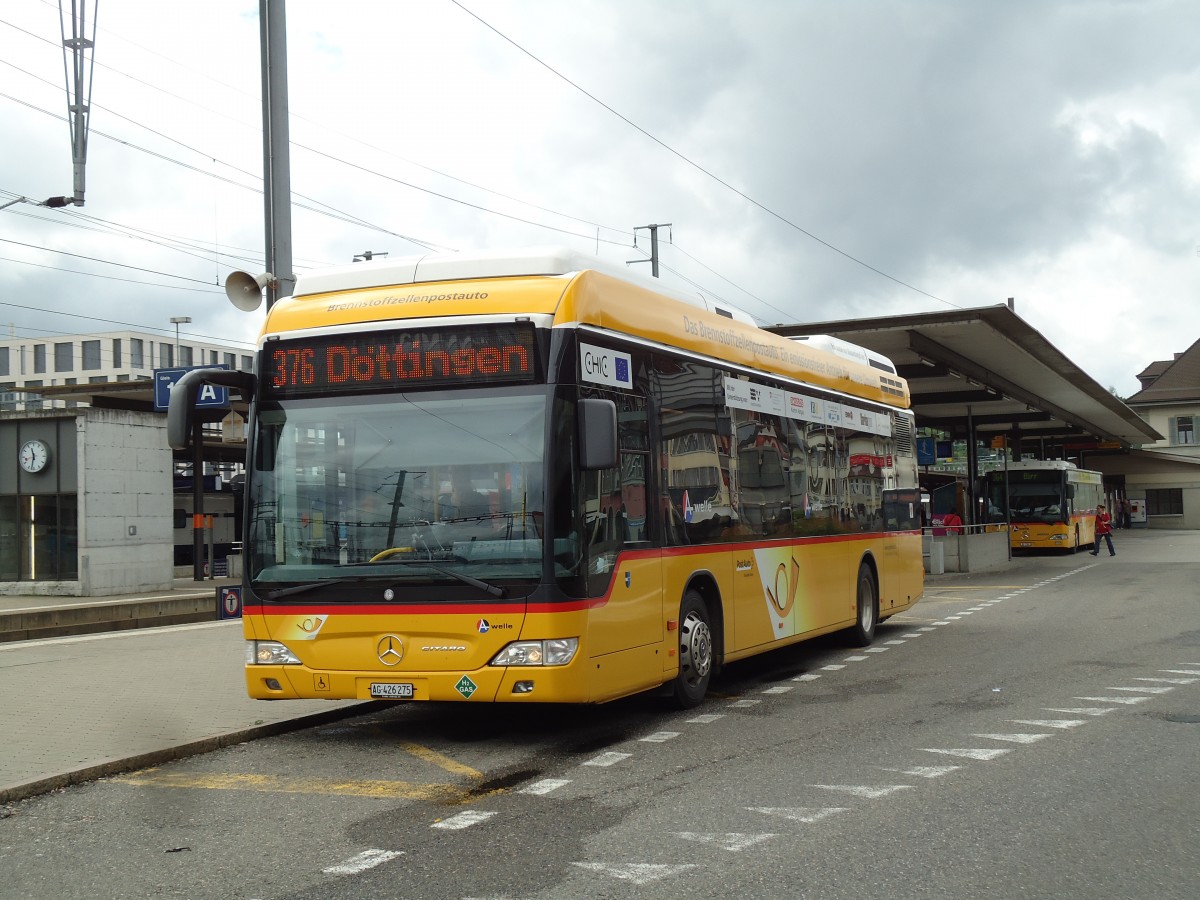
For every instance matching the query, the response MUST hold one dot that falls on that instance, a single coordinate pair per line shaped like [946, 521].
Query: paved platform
[138, 693]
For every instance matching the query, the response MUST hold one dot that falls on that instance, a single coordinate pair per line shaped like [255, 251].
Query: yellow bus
[534, 477]
[1047, 504]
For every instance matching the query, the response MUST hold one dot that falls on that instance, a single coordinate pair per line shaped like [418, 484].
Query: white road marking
[779, 689]
[926, 771]
[912, 634]
[462, 820]
[876, 650]
[926, 628]
[865, 791]
[659, 737]
[942, 622]
[1015, 738]
[832, 668]
[894, 643]
[1051, 723]
[705, 718]
[607, 759]
[368, 859]
[1128, 701]
[807, 676]
[638, 873]
[1083, 710]
[1141, 690]
[743, 704]
[1181, 671]
[856, 658]
[732, 841]
[1169, 680]
[545, 786]
[969, 752]
[800, 813]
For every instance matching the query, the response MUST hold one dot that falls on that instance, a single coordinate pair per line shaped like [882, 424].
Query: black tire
[695, 652]
[866, 615]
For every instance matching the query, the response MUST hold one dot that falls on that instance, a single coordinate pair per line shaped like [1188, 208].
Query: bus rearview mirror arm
[181, 408]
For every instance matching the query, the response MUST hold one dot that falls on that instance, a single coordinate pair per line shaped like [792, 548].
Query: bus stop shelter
[984, 375]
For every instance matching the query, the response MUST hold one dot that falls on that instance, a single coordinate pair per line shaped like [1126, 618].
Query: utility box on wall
[1137, 511]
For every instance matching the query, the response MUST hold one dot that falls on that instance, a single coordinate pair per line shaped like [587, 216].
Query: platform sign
[926, 451]
[210, 396]
[229, 603]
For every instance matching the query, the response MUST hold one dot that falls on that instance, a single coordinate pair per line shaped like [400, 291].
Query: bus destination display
[401, 360]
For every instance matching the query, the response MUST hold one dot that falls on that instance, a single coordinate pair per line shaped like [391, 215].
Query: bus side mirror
[181, 408]
[597, 434]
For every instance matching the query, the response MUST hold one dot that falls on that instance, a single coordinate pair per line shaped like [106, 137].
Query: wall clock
[34, 455]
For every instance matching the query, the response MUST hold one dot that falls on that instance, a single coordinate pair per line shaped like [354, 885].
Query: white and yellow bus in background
[533, 477]
[1048, 504]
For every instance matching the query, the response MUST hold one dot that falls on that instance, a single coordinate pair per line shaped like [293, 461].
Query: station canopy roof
[984, 367]
[987, 368]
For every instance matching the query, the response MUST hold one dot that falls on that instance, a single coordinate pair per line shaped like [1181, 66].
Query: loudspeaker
[245, 290]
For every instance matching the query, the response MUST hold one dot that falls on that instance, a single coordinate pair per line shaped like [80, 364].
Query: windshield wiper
[302, 588]
[494, 590]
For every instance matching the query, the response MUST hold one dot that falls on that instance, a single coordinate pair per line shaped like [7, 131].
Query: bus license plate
[379, 689]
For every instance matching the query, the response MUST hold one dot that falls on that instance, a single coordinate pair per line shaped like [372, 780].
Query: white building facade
[80, 359]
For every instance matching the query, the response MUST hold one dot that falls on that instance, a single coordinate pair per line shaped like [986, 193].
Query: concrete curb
[35, 624]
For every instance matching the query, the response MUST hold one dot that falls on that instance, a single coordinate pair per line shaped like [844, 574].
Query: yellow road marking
[441, 761]
[278, 784]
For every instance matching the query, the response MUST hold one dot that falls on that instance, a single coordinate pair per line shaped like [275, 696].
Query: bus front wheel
[695, 651]
[867, 608]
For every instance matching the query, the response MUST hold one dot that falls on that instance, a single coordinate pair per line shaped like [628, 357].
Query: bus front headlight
[270, 653]
[555, 652]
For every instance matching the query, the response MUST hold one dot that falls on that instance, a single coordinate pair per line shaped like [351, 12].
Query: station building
[88, 503]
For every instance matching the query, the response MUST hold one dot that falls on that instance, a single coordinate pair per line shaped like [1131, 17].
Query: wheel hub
[696, 647]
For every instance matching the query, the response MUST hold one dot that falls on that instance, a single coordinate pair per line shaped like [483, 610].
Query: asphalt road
[1031, 734]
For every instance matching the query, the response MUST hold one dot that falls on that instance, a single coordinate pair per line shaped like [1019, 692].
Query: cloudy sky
[815, 159]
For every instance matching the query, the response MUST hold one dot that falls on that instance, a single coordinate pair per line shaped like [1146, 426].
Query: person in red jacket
[1103, 530]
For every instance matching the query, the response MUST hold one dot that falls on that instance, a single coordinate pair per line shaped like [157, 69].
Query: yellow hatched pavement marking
[278, 784]
[441, 761]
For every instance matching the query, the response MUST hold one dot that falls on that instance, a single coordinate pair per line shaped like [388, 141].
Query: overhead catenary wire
[337, 214]
[695, 165]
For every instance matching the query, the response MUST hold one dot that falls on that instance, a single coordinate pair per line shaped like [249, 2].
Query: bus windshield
[408, 488]
[1032, 497]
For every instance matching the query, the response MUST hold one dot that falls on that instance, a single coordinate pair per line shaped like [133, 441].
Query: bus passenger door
[899, 578]
[624, 567]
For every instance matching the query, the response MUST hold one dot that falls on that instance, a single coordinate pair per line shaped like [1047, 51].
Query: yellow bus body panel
[1039, 535]
[772, 595]
[538, 295]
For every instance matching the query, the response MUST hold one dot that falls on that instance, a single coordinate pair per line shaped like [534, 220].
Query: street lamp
[177, 321]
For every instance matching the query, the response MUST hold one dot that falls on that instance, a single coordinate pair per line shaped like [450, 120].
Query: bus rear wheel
[866, 608]
[695, 652]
